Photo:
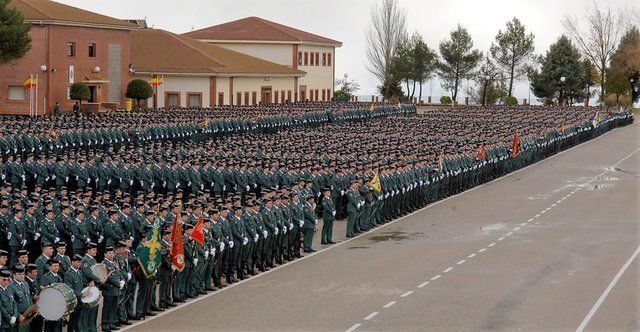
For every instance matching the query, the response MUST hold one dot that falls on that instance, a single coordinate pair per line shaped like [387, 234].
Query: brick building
[71, 45]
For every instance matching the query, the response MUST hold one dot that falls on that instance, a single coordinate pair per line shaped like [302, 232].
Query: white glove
[256, 237]
[284, 230]
[290, 226]
[264, 234]
[248, 188]
[212, 252]
[131, 238]
[301, 223]
[24, 242]
[13, 320]
[231, 244]
[57, 239]
[128, 275]
[206, 254]
[121, 283]
[73, 238]
[66, 179]
[131, 182]
[100, 239]
[333, 213]
[221, 246]
[9, 236]
[88, 240]
[275, 231]
[245, 241]
[195, 262]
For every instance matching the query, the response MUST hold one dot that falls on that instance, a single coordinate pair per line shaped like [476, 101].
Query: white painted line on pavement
[371, 315]
[461, 261]
[559, 201]
[528, 221]
[423, 284]
[472, 255]
[436, 277]
[388, 305]
[554, 204]
[606, 291]
[448, 269]
[407, 294]
[353, 327]
[502, 238]
[482, 250]
[516, 229]
[509, 234]
[537, 215]
[543, 211]
[492, 244]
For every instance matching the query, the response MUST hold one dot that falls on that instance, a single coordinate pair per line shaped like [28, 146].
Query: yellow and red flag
[375, 182]
[177, 247]
[157, 80]
[515, 147]
[481, 153]
[197, 233]
[30, 82]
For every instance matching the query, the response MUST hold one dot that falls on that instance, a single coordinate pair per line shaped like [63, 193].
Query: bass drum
[100, 271]
[93, 298]
[56, 301]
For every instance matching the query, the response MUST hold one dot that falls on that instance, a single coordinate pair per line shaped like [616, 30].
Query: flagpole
[36, 97]
[30, 95]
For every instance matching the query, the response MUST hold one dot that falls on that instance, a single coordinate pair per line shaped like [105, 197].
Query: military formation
[78, 190]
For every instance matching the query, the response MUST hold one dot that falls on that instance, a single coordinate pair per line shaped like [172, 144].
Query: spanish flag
[157, 80]
[177, 247]
[481, 153]
[30, 82]
[197, 233]
[515, 147]
[375, 183]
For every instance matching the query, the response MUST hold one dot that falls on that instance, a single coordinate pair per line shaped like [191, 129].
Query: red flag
[197, 233]
[481, 154]
[515, 148]
[177, 248]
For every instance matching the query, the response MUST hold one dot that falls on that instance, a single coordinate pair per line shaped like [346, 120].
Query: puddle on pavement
[358, 247]
[492, 228]
[396, 236]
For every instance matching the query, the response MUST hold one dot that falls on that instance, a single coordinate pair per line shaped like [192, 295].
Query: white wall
[318, 76]
[247, 84]
[183, 85]
[280, 54]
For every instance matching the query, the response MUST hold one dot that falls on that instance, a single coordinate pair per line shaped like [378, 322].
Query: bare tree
[599, 40]
[388, 25]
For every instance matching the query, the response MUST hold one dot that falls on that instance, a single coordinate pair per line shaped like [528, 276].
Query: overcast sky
[347, 21]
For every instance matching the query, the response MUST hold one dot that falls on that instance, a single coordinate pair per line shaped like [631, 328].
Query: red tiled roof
[51, 11]
[160, 51]
[258, 29]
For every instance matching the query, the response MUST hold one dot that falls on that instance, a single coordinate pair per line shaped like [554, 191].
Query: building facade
[69, 45]
[284, 45]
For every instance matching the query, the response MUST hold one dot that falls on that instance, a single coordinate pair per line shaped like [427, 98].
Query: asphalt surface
[550, 247]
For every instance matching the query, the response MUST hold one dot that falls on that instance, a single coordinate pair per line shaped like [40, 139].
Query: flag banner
[150, 254]
[177, 247]
[198, 233]
[515, 148]
[375, 182]
[481, 153]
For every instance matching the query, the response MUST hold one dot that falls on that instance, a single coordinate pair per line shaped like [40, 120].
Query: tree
[138, 90]
[79, 92]
[599, 40]
[388, 25]
[489, 84]
[347, 87]
[561, 60]
[512, 51]
[424, 62]
[458, 60]
[402, 64]
[15, 41]
[625, 66]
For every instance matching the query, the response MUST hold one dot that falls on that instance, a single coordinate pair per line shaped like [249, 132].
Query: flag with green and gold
[150, 252]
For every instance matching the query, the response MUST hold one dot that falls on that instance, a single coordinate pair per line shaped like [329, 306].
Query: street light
[562, 80]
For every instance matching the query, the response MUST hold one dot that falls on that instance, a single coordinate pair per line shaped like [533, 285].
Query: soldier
[125, 274]
[89, 317]
[52, 277]
[353, 209]
[62, 258]
[239, 236]
[165, 271]
[17, 234]
[10, 314]
[74, 279]
[328, 216]
[111, 291]
[19, 290]
[34, 290]
[309, 225]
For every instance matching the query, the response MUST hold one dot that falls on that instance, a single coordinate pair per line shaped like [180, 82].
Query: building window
[194, 99]
[16, 92]
[317, 58]
[239, 98]
[172, 99]
[324, 59]
[254, 98]
[312, 59]
[299, 58]
[92, 50]
[306, 58]
[220, 98]
[71, 49]
[323, 95]
[289, 96]
[282, 97]
[275, 94]
[246, 98]
[329, 59]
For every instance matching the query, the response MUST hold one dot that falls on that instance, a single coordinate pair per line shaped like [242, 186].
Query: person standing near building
[328, 216]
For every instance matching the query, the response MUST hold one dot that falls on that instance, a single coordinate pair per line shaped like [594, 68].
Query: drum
[137, 270]
[100, 271]
[29, 314]
[56, 301]
[94, 297]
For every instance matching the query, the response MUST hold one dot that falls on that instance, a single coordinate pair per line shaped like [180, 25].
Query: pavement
[553, 246]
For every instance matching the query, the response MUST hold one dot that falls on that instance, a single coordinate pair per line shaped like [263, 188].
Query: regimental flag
[375, 182]
[30, 82]
[177, 247]
[205, 123]
[515, 147]
[373, 106]
[441, 163]
[157, 80]
[150, 254]
[197, 233]
[481, 153]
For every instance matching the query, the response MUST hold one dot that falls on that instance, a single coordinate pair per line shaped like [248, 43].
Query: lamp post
[562, 80]
[633, 90]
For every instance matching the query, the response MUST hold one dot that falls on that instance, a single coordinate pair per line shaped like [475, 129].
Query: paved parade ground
[551, 247]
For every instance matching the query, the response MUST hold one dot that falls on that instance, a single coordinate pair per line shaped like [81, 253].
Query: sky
[347, 21]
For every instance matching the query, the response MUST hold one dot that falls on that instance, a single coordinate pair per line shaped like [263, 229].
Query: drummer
[77, 282]
[34, 289]
[19, 290]
[9, 308]
[89, 318]
[47, 279]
